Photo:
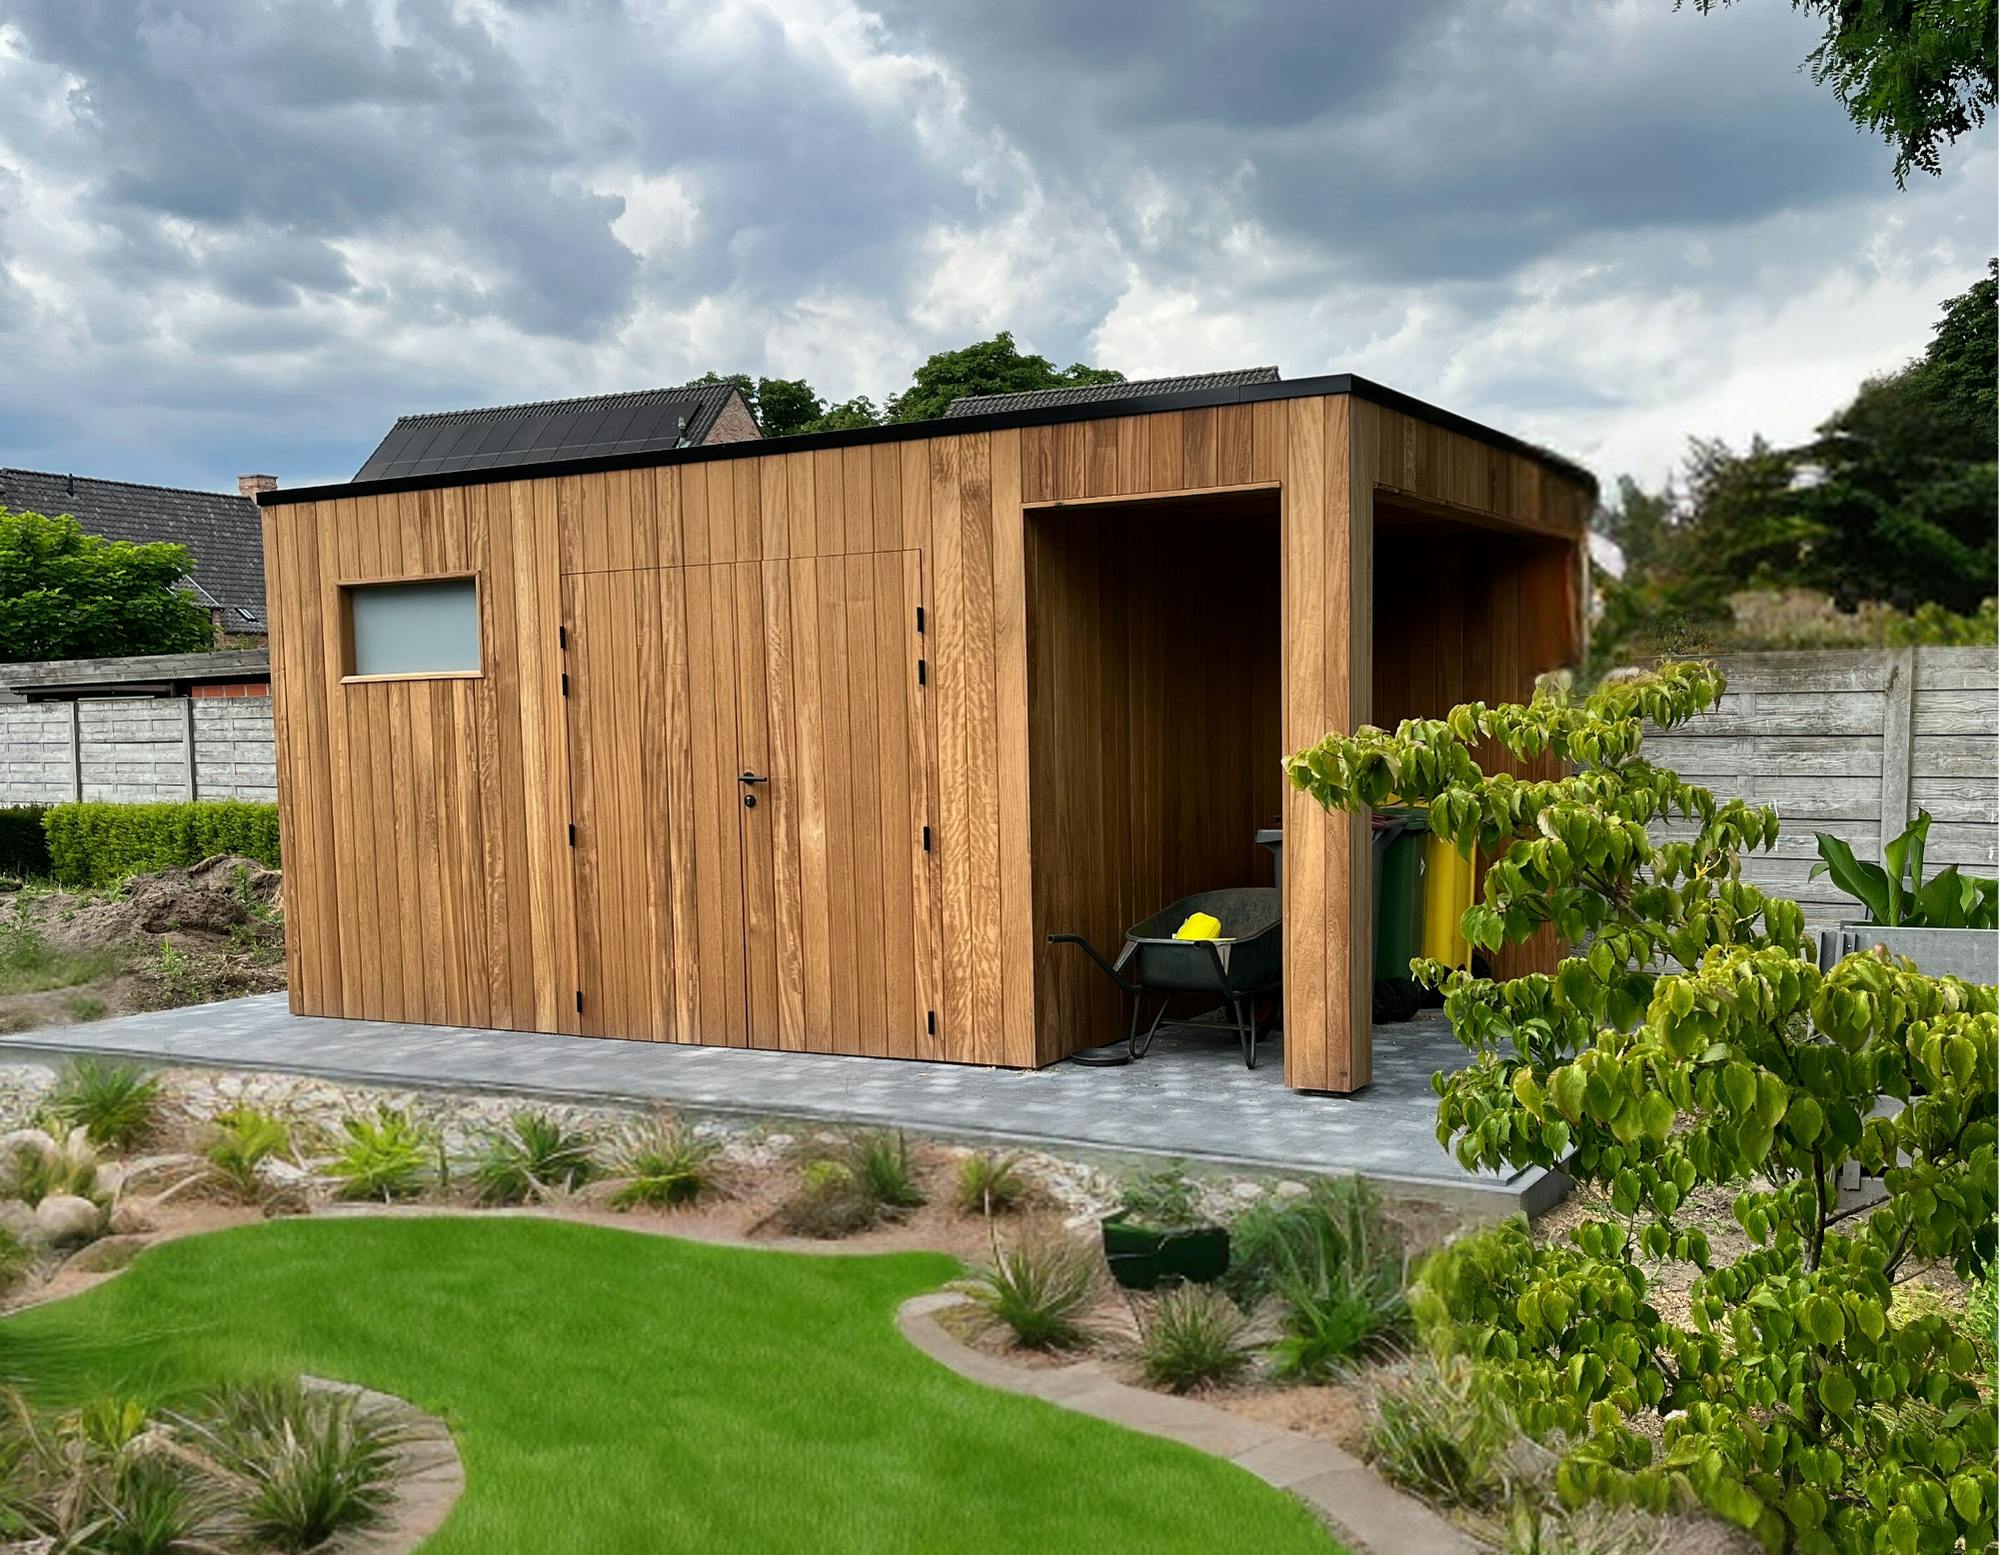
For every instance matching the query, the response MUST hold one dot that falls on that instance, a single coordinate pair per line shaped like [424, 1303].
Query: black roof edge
[956, 426]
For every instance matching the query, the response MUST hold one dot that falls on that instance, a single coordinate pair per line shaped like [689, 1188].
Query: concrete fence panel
[1853, 743]
[137, 749]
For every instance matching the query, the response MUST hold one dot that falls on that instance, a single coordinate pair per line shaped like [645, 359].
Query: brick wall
[733, 423]
[136, 749]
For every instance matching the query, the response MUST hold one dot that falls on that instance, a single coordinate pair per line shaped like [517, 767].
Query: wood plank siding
[1126, 621]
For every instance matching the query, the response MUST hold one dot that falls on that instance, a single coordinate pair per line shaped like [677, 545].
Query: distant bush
[96, 844]
[24, 845]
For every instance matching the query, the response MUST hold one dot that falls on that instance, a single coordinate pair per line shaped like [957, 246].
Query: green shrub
[148, 1503]
[990, 1182]
[386, 1156]
[99, 844]
[306, 1463]
[1332, 1214]
[24, 845]
[242, 1139]
[663, 1165]
[1192, 1337]
[1440, 1430]
[114, 1103]
[1160, 1197]
[880, 1162]
[1336, 1305]
[829, 1202]
[1040, 1290]
[1694, 1047]
[531, 1154]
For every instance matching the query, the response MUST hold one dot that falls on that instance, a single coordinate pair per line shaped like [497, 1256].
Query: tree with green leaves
[65, 594]
[1893, 500]
[995, 366]
[1687, 1044]
[1919, 73]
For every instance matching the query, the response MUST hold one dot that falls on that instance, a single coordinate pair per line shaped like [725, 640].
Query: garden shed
[809, 743]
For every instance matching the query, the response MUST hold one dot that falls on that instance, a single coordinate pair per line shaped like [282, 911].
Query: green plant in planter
[1895, 892]
[1159, 1233]
[1791, 1401]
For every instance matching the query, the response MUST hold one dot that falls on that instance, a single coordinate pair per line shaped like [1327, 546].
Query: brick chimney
[250, 485]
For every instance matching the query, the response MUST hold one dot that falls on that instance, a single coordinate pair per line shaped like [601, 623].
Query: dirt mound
[199, 908]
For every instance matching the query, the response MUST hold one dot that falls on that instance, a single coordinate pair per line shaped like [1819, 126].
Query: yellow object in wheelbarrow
[1200, 925]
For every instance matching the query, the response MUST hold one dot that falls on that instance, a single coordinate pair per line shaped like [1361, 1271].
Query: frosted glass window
[427, 628]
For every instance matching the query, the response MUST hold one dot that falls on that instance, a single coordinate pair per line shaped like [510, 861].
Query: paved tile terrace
[1191, 1096]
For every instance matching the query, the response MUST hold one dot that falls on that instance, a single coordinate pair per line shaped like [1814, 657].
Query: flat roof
[955, 426]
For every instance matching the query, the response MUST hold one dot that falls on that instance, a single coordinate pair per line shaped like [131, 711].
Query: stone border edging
[1372, 1516]
[429, 1476]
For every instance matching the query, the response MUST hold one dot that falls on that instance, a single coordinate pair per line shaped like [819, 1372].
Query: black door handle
[753, 777]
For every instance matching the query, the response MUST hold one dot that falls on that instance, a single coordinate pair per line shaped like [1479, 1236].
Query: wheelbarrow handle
[1090, 950]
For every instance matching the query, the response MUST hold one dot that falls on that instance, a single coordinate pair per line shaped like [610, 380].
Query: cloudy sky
[244, 234]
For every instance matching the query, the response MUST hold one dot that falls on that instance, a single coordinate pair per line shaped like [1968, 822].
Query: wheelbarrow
[1247, 961]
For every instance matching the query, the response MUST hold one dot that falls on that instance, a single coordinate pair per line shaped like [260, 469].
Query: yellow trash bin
[1447, 893]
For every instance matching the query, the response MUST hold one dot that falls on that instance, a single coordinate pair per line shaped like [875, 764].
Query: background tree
[993, 366]
[1893, 500]
[65, 594]
[1919, 73]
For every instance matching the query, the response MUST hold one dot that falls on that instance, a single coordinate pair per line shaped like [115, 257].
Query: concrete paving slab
[1190, 1097]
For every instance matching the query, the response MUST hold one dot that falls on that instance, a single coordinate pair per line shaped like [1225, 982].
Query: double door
[751, 782]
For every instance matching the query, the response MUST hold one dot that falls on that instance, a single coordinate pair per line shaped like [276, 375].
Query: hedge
[97, 844]
[24, 846]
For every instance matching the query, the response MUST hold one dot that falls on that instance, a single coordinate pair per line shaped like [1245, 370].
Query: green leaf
[1836, 1392]
[1868, 884]
[1904, 856]
[1656, 1117]
[1966, 1499]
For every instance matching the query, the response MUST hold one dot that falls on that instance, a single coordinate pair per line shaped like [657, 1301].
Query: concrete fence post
[1898, 718]
[76, 749]
[193, 779]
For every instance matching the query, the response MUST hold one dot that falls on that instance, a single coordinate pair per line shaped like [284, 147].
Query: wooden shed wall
[424, 820]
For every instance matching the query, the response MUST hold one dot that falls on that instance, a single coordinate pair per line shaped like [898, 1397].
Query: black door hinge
[920, 618]
[572, 834]
[921, 672]
[579, 1001]
[565, 682]
[927, 839]
[930, 1022]
[562, 637]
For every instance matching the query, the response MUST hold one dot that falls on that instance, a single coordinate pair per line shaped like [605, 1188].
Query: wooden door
[751, 785]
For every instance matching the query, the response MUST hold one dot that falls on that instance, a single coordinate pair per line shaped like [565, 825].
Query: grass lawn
[617, 1394]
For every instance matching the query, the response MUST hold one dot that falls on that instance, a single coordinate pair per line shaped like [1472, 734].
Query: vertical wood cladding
[426, 820]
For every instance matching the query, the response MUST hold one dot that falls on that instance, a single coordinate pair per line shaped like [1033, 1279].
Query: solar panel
[531, 434]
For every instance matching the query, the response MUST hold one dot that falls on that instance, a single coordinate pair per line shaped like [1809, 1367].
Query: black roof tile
[1090, 393]
[547, 431]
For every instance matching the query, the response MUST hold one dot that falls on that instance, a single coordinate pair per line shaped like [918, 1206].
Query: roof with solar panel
[548, 431]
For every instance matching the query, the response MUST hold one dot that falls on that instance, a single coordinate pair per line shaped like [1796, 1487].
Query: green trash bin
[1399, 898]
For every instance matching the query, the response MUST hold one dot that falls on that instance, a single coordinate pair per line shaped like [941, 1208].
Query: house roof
[966, 425]
[221, 530]
[1091, 393]
[548, 431]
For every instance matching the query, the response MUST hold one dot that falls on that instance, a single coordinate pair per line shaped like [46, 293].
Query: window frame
[343, 604]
